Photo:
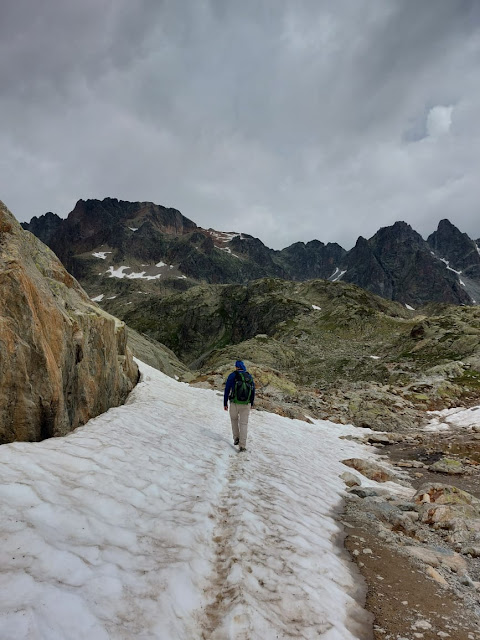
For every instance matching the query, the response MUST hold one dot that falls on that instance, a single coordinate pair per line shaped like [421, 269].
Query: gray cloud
[290, 121]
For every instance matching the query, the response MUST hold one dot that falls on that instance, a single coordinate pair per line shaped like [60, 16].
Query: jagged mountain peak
[361, 242]
[446, 224]
[446, 232]
[399, 232]
[457, 250]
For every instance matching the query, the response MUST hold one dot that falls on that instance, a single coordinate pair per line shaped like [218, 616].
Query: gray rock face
[62, 359]
[311, 260]
[396, 263]
[451, 244]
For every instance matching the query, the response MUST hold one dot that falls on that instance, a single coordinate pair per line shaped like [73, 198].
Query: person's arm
[228, 388]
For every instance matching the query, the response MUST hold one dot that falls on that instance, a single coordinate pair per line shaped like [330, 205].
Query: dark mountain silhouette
[396, 263]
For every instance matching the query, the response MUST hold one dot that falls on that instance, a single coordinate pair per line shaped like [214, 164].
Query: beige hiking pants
[239, 414]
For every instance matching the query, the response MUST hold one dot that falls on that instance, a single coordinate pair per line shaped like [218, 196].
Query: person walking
[240, 390]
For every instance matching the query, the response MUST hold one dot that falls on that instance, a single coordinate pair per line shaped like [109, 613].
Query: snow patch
[116, 273]
[374, 357]
[337, 274]
[101, 254]
[98, 298]
[409, 307]
[133, 228]
[457, 417]
[228, 250]
[447, 263]
[115, 530]
[314, 306]
[119, 273]
[226, 236]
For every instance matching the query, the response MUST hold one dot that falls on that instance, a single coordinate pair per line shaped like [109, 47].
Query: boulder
[363, 492]
[350, 479]
[444, 494]
[62, 359]
[447, 507]
[433, 573]
[448, 466]
[369, 469]
[436, 557]
[384, 438]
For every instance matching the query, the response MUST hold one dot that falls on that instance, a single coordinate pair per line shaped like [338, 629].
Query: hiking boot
[236, 441]
[242, 448]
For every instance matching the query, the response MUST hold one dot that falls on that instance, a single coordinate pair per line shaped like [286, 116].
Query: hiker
[240, 390]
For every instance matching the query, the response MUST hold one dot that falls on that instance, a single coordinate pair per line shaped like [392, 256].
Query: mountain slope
[323, 349]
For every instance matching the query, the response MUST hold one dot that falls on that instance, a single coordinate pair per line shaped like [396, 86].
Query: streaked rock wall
[62, 359]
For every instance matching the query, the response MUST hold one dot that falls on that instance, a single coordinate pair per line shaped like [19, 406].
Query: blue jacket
[229, 386]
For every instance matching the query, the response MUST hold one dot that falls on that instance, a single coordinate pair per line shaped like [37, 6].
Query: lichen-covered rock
[448, 466]
[445, 494]
[62, 359]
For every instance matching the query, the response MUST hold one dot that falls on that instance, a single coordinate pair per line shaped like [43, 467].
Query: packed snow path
[146, 523]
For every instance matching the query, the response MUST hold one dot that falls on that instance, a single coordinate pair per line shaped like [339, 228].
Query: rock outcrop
[62, 359]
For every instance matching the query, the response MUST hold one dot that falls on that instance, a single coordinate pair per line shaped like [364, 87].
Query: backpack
[242, 388]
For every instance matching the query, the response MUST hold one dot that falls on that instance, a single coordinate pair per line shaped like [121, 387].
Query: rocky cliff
[62, 359]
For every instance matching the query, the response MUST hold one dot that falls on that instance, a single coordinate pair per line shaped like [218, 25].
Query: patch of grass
[470, 379]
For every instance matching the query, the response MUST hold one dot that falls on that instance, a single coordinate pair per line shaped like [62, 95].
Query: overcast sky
[290, 120]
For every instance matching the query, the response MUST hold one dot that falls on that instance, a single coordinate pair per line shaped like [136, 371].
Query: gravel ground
[409, 599]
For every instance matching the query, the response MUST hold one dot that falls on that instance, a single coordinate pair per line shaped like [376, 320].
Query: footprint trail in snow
[145, 523]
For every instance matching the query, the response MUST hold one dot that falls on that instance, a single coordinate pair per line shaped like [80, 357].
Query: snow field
[146, 523]
[457, 417]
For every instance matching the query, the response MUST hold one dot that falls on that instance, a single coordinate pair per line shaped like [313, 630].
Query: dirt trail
[224, 595]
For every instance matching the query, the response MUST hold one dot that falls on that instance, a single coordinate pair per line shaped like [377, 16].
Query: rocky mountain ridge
[159, 249]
